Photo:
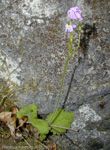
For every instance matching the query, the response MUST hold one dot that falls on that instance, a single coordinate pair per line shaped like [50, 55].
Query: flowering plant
[59, 120]
[73, 13]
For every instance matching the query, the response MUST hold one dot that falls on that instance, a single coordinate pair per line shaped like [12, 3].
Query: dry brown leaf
[10, 121]
[12, 130]
[54, 146]
[51, 146]
[21, 122]
[14, 110]
[36, 133]
[5, 116]
[2, 108]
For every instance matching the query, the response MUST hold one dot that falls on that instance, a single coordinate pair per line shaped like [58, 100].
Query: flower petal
[74, 26]
[74, 13]
[78, 15]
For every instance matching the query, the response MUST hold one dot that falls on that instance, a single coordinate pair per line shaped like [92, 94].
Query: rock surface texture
[34, 49]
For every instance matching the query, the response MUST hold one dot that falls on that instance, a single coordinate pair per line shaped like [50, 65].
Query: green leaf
[30, 111]
[33, 112]
[22, 112]
[42, 137]
[33, 108]
[41, 125]
[63, 119]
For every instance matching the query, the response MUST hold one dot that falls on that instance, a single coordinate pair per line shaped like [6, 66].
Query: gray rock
[34, 50]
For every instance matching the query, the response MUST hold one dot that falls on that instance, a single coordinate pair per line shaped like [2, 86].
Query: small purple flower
[74, 13]
[69, 28]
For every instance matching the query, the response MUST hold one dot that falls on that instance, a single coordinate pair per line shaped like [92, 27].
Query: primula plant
[59, 120]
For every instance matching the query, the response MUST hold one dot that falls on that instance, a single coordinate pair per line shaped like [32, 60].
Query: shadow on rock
[89, 30]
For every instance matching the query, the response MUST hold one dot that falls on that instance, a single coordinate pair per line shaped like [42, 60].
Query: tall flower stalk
[73, 13]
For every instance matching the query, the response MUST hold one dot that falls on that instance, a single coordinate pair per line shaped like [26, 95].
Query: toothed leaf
[63, 119]
[41, 125]
[30, 112]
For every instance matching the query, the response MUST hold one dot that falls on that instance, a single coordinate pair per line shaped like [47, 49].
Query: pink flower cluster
[73, 13]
